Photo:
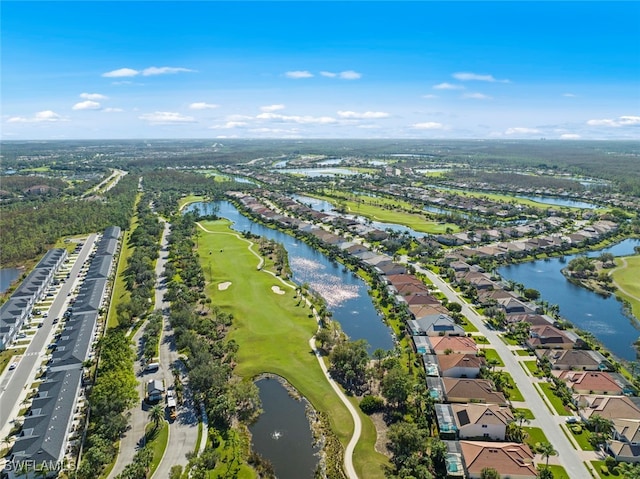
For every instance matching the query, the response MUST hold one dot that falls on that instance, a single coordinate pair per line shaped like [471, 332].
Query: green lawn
[556, 402]
[514, 392]
[531, 366]
[159, 443]
[582, 438]
[373, 209]
[523, 352]
[492, 354]
[528, 414]
[120, 293]
[272, 330]
[230, 463]
[469, 327]
[558, 472]
[627, 278]
[509, 341]
[535, 435]
[182, 202]
[612, 473]
[6, 356]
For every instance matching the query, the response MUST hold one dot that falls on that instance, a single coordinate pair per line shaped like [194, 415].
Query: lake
[282, 433]
[8, 276]
[587, 310]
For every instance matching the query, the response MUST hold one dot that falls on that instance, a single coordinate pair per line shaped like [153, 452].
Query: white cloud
[121, 72]
[200, 105]
[113, 110]
[350, 75]
[468, 76]
[345, 75]
[92, 96]
[429, 125]
[447, 86]
[429, 97]
[616, 122]
[476, 96]
[268, 108]
[306, 119]
[298, 74]
[521, 131]
[569, 136]
[569, 95]
[166, 118]
[86, 105]
[368, 115]
[39, 117]
[229, 125]
[164, 70]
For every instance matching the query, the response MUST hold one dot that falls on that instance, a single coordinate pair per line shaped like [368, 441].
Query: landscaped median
[272, 330]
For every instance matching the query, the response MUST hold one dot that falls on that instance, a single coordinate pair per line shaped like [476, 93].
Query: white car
[13, 365]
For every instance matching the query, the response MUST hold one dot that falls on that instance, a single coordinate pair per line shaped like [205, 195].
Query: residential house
[472, 390]
[486, 421]
[590, 382]
[435, 325]
[452, 344]
[511, 460]
[460, 365]
[609, 407]
[575, 359]
[549, 337]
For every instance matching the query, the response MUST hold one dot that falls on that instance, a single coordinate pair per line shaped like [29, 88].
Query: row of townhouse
[33, 288]
[52, 426]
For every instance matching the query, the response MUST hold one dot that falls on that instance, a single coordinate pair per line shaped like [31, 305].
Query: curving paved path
[617, 285]
[357, 429]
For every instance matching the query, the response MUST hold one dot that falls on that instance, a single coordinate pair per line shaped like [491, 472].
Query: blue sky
[159, 69]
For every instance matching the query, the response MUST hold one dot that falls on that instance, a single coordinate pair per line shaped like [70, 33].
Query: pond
[346, 294]
[282, 433]
[316, 172]
[604, 317]
[551, 200]
[8, 276]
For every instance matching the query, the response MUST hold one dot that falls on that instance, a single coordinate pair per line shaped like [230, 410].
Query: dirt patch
[277, 290]
[225, 285]
[381, 434]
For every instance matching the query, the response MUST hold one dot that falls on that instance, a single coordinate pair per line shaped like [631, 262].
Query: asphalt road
[568, 457]
[15, 382]
[183, 432]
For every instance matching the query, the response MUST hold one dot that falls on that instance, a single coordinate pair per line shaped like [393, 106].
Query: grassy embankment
[273, 331]
[373, 209]
[626, 276]
[120, 293]
[182, 202]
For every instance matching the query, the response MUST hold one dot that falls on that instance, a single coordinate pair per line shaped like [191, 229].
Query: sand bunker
[277, 290]
[225, 285]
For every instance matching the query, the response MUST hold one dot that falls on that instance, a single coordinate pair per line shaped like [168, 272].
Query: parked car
[13, 365]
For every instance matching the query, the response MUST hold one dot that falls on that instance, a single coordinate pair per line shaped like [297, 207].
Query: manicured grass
[182, 202]
[531, 366]
[522, 352]
[528, 414]
[514, 392]
[582, 438]
[555, 401]
[272, 330]
[158, 442]
[558, 472]
[627, 278]
[598, 464]
[369, 209]
[469, 327]
[120, 293]
[6, 356]
[230, 455]
[508, 340]
[492, 354]
[366, 464]
[535, 435]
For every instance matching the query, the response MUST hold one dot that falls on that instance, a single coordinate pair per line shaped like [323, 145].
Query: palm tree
[600, 424]
[156, 414]
[520, 417]
[546, 450]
